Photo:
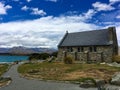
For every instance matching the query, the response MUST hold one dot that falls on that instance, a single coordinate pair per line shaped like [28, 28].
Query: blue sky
[42, 23]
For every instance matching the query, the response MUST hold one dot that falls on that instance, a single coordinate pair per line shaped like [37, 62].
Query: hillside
[24, 50]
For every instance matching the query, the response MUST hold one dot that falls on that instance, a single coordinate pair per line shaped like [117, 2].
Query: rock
[115, 64]
[116, 79]
[111, 87]
[100, 84]
[87, 84]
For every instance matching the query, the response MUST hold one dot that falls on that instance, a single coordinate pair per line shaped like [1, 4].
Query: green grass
[3, 68]
[59, 71]
[31, 66]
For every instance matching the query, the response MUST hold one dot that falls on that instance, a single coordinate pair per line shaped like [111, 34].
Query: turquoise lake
[7, 58]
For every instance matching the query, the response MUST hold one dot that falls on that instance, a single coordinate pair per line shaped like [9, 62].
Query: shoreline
[19, 61]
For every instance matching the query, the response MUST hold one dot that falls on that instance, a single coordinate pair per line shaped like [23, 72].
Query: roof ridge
[93, 37]
[86, 31]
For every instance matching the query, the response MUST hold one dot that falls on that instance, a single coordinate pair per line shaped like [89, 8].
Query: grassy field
[69, 72]
[3, 68]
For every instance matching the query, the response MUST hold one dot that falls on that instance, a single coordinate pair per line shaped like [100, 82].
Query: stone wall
[102, 54]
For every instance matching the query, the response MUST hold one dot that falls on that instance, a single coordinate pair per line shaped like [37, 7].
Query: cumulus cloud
[113, 1]
[36, 11]
[89, 14]
[25, 8]
[52, 0]
[8, 7]
[16, 0]
[118, 17]
[4, 8]
[42, 32]
[28, 0]
[102, 6]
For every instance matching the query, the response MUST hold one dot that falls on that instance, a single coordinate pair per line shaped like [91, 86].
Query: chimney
[112, 31]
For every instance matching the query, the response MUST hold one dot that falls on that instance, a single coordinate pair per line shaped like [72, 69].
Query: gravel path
[24, 84]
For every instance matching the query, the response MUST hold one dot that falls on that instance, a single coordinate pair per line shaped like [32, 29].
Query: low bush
[40, 56]
[5, 79]
[116, 59]
[87, 82]
[68, 60]
[85, 79]
[54, 54]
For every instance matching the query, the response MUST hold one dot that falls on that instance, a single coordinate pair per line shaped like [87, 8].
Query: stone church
[89, 46]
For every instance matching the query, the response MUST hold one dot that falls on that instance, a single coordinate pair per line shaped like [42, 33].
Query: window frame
[93, 49]
[69, 49]
[80, 49]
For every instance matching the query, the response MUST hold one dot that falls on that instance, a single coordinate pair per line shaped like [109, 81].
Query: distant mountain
[4, 50]
[24, 50]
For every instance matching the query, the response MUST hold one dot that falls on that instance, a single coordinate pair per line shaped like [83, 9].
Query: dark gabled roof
[86, 38]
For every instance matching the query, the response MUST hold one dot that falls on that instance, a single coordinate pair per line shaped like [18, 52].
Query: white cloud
[4, 8]
[89, 14]
[46, 31]
[82, 17]
[36, 11]
[118, 17]
[29, 0]
[43, 32]
[16, 0]
[52, 0]
[113, 1]
[8, 7]
[102, 6]
[25, 8]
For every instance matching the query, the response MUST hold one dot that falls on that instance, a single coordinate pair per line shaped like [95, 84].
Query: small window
[70, 49]
[95, 49]
[92, 49]
[80, 49]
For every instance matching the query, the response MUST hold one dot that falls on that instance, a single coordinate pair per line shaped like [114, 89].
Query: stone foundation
[102, 54]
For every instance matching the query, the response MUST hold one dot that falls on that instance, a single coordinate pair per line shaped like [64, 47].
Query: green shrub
[4, 79]
[40, 56]
[68, 60]
[116, 59]
[85, 79]
[87, 82]
[54, 54]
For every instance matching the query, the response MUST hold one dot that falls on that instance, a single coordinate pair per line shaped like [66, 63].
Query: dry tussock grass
[61, 71]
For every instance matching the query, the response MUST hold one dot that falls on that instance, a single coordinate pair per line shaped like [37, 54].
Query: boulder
[87, 84]
[100, 84]
[115, 80]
